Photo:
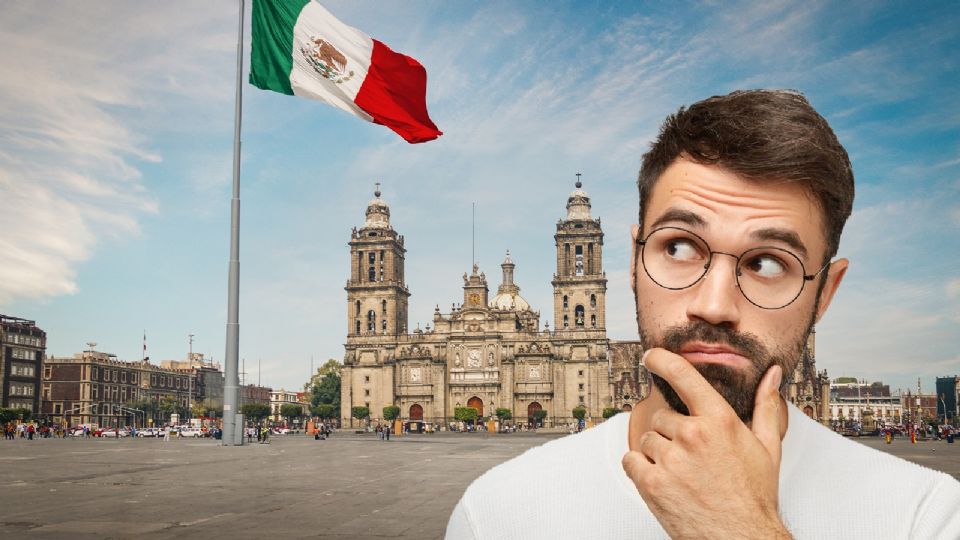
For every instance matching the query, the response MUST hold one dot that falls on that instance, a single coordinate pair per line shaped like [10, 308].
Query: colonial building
[22, 345]
[491, 352]
[97, 388]
[809, 389]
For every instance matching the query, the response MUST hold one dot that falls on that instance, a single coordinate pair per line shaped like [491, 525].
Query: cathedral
[491, 352]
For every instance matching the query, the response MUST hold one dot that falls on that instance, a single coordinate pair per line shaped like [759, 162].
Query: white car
[190, 432]
[148, 432]
[112, 433]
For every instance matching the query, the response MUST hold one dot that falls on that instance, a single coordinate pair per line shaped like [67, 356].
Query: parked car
[190, 432]
[114, 433]
[148, 432]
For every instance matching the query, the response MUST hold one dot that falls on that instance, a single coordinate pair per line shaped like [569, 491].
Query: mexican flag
[299, 48]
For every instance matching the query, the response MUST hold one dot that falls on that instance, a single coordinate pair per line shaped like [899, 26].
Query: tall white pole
[230, 381]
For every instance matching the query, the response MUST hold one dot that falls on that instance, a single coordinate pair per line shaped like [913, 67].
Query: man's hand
[708, 475]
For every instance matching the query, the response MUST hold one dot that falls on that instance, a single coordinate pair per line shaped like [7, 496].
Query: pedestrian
[386, 432]
[30, 431]
[166, 433]
[379, 432]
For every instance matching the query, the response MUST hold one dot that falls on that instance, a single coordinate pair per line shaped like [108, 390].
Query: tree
[504, 414]
[610, 412]
[324, 386]
[150, 407]
[538, 416]
[465, 414]
[7, 415]
[255, 412]
[391, 413]
[169, 406]
[579, 413]
[291, 411]
[360, 412]
[325, 411]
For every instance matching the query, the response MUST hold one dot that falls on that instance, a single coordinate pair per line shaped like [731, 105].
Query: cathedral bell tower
[579, 285]
[376, 292]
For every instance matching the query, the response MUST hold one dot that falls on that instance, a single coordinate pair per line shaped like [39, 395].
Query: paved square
[348, 487]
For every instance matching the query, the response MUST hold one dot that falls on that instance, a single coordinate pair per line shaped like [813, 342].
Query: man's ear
[634, 235]
[835, 275]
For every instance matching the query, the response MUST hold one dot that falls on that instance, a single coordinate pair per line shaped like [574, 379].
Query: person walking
[30, 431]
[386, 432]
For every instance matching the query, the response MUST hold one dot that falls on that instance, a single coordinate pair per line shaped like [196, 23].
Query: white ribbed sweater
[830, 487]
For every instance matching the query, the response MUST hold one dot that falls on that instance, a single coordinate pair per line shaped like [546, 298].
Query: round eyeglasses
[768, 277]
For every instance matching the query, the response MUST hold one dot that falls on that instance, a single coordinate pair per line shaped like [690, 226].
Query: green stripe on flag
[271, 43]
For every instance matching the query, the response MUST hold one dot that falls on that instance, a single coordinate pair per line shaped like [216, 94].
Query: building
[98, 389]
[23, 346]
[491, 352]
[855, 402]
[279, 398]
[948, 392]
[254, 393]
[919, 408]
[207, 377]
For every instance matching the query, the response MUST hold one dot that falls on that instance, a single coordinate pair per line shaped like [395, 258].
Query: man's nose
[716, 297]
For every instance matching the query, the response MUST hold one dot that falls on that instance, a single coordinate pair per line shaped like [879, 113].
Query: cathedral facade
[491, 352]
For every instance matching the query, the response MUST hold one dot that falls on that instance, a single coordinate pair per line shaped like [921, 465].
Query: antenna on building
[473, 235]
[91, 345]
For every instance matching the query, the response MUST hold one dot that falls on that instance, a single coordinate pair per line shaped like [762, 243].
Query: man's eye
[682, 250]
[766, 266]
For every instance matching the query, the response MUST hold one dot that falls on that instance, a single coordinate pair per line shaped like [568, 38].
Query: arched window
[383, 323]
[371, 321]
[372, 274]
[358, 308]
[593, 300]
[564, 301]
[566, 321]
[593, 321]
[578, 315]
[383, 305]
[358, 326]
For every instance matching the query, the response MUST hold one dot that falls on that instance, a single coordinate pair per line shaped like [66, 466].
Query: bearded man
[743, 199]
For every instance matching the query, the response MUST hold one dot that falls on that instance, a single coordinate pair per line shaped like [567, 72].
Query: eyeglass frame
[736, 267]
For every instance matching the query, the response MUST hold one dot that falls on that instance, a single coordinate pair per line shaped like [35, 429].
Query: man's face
[731, 341]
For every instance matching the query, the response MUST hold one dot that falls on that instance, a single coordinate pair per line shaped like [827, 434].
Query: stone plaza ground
[349, 487]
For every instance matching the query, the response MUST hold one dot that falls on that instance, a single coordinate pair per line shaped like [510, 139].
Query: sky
[116, 148]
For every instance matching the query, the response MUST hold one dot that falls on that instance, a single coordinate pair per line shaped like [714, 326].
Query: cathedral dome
[378, 213]
[578, 204]
[508, 295]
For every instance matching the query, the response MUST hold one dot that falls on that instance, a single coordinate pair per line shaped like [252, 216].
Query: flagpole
[230, 381]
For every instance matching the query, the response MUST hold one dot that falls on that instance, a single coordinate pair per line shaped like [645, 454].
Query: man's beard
[737, 386]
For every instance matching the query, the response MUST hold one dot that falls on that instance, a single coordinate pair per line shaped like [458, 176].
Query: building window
[357, 312]
[578, 314]
[123, 377]
[383, 323]
[58, 408]
[580, 386]
[566, 321]
[579, 261]
[48, 372]
[580, 373]
[565, 305]
[593, 301]
[383, 306]
[366, 392]
[581, 400]
[590, 259]
[593, 321]
[366, 378]
[371, 321]
[358, 326]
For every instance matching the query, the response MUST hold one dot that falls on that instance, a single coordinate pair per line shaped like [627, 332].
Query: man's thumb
[767, 414]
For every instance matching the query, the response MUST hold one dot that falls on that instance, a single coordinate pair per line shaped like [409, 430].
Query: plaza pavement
[349, 487]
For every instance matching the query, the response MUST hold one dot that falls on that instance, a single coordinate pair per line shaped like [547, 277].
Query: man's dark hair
[764, 136]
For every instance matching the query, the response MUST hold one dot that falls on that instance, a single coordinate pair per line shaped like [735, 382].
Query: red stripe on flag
[395, 95]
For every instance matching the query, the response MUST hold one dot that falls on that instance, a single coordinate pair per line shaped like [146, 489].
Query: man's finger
[637, 467]
[667, 422]
[653, 445]
[699, 396]
[767, 414]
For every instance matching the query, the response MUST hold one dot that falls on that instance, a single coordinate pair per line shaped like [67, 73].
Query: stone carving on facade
[473, 358]
[534, 372]
[456, 359]
[490, 360]
[415, 374]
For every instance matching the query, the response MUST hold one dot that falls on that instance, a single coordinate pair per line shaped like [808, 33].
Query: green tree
[504, 414]
[255, 412]
[609, 412]
[7, 415]
[360, 412]
[465, 414]
[391, 412]
[325, 411]
[169, 405]
[538, 416]
[579, 413]
[148, 406]
[324, 386]
[291, 411]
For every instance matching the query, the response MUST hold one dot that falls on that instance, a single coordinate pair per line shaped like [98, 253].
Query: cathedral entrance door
[808, 410]
[416, 412]
[531, 409]
[627, 407]
[477, 404]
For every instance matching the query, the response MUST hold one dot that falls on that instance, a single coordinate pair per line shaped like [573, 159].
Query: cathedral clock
[475, 299]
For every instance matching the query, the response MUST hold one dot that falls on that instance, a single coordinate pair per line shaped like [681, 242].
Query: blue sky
[116, 127]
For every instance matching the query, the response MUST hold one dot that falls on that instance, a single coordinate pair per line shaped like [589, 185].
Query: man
[742, 201]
